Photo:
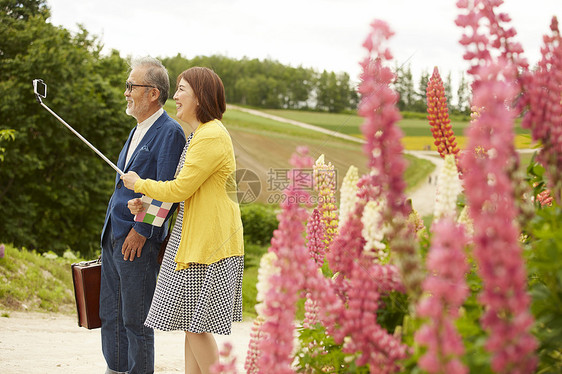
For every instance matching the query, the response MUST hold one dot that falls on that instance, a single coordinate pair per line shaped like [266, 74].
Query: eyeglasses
[130, 86]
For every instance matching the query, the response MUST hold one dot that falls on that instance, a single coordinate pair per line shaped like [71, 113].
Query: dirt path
[423, 197]
[297, 123]
[39, 343]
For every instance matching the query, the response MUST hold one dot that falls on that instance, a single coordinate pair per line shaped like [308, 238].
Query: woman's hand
[129, 179]
[135, 206]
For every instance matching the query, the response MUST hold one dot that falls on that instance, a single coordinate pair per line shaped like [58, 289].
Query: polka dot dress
[201, 298]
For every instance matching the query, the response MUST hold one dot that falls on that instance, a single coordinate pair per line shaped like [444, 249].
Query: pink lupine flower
[297, 272]
[347, 247]
[253, 354]
[376, 347]
[475, 112]
[545, 198]
[227, 362]
[2, 250]
[490, 197]
[310, 312]
[266, 270]
[446, 291]
[315, 237]
[300, 159]
[324, 305]
[438, 116]
[280, 302]
[542, 98]
[384, 151]
[360, 282]
[481, 46]
[383, 147]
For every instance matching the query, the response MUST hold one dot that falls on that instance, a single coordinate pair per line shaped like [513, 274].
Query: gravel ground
[53, 343]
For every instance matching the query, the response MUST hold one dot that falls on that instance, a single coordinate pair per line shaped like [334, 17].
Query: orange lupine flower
[438, 116]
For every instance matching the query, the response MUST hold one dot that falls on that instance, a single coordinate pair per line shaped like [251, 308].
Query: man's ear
[154, 94]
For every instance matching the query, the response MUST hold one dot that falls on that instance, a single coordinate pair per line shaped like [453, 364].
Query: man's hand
[132, 245]
[129, 179]
[135, 206]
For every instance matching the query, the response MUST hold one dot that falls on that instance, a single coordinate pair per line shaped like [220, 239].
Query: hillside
[264, 147]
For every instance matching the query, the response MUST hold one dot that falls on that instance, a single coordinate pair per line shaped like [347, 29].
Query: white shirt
[141, 129]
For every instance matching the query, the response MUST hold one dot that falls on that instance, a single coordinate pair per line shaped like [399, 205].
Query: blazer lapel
[123, 154]
[147, 138]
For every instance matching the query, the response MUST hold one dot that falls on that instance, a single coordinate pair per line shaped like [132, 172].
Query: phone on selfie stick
[40, 89]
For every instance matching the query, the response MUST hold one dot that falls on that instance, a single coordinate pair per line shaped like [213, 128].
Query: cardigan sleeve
[205, 156]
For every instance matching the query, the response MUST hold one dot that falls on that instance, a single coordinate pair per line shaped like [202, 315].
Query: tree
[270, 84]
[6, 134]
[421, 94]
[448, 85]
[404, 86]
[299, 85]
[54, 189]
[463, 94]
[334, 92]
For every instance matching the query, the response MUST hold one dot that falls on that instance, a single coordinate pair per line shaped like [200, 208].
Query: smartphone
[40, 88]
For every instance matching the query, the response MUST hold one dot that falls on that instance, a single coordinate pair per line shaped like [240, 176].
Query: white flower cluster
[318, 164]
[464, 219]
[324, 175]
[374, 229]
[348, 194]
[448, 189]
[266, 270]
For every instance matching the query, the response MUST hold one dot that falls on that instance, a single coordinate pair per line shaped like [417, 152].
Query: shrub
[259, 223]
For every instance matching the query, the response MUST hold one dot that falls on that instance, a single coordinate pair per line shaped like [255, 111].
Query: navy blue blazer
[156, 157]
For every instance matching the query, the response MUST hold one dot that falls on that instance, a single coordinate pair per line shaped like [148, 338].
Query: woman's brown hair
[209, 91]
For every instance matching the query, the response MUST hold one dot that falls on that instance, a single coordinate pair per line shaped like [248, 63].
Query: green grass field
[262, 144]
[417, 133]
[29, 281]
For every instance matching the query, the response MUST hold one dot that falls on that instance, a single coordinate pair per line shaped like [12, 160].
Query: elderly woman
[199, 288]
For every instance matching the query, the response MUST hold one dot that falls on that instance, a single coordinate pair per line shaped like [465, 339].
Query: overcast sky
[321, 34]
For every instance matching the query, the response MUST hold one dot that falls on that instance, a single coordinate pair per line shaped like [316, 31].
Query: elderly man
[130, 249]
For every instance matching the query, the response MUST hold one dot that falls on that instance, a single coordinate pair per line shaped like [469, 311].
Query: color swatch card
[154, 213]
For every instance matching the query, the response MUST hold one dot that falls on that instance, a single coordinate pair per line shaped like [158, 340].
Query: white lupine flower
[448, 188]
[318, 164]
[266, 270]
[464, 219]
[348, 194]
[374, 229]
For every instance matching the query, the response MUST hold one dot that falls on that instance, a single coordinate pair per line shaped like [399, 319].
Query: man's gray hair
[156, 75]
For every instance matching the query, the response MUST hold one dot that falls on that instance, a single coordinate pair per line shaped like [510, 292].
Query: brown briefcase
[86, 277]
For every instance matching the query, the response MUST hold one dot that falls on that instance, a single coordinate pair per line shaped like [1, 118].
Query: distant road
[297, 123]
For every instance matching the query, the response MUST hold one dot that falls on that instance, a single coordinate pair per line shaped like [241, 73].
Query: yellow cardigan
[212, 227]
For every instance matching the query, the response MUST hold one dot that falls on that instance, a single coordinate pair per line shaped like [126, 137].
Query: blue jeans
[126, 293]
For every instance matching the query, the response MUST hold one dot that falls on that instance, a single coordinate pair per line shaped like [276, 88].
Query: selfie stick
[80, 136]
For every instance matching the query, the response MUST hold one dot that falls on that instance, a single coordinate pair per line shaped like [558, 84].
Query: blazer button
[119, 185]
